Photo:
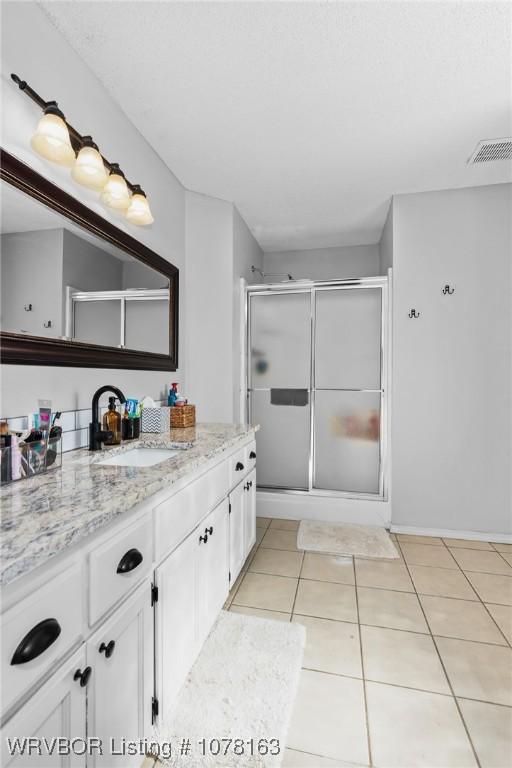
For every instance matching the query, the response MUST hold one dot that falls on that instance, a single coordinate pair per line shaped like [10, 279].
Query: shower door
[315, 385]
[280, 386]
[347, 390]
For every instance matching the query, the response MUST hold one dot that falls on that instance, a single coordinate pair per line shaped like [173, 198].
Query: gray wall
[325, 263]
[31, 273]
[451, 421]
[386, 243]
[88, 267]
[59, 68]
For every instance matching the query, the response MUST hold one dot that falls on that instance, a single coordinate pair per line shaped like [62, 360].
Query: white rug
[345, 539]
[242, 686]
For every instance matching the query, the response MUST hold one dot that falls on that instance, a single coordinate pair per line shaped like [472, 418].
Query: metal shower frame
[311, 287]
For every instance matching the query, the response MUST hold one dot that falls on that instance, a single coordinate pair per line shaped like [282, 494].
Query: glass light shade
[88, 169]
[115, 193]
[139, 211]
[51, 140]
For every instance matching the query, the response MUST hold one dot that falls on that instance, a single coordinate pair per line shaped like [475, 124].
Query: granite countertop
[44, 515]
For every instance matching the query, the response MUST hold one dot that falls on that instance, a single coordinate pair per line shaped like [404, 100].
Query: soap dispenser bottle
[112, 422]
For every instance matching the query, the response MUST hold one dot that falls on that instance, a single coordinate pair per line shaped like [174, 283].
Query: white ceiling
[308, 116]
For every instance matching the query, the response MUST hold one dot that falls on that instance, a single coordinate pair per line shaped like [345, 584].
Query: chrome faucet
[97, 436]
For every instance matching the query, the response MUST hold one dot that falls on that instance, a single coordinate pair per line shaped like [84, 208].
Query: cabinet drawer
[118, 565]
[38, 631]
[179, 515]
[237, 466]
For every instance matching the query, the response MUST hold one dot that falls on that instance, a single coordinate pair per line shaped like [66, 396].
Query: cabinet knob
[203, 538]
[246, 487]
[209, 530]
[83, 676]
[129, 561]
[36, 641]
[108, 650]
[252, 455]
[239, 466]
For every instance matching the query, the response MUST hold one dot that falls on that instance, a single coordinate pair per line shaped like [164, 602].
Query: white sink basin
[139, 457]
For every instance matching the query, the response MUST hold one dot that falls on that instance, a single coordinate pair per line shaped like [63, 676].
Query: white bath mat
[242, 686]
[345, 539]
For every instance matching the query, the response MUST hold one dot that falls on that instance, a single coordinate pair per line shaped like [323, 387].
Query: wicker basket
[183, 416]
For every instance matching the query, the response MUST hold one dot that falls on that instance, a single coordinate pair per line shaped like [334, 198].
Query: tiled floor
[407, 662]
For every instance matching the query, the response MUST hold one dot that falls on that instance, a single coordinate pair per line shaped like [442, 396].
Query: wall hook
[28, 307]
[48, 324]
[449, 290]
[413, 313]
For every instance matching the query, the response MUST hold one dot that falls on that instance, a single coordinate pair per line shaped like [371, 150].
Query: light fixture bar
[76, 138]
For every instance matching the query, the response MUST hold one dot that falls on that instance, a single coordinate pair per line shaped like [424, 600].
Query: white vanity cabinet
[57, 709]
[130, 610]
[120, 690]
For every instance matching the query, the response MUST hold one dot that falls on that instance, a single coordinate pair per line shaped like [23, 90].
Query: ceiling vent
[491, 149]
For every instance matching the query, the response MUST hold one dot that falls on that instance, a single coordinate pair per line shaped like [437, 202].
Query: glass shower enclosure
[316, 384]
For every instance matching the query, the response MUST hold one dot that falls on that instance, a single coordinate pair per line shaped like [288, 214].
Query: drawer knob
[252, 455]
[246, 487]
[83, 676]
[108, 650]
[209, 530]
[129, 561]
[36, 641]
[239, 466]
[204, 538]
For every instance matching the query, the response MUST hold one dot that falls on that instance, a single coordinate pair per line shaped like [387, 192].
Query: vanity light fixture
[139, 211]
[56, 140]
[89, 170]
[115, 193]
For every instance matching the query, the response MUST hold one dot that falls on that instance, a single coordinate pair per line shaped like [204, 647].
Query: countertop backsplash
[75, 426]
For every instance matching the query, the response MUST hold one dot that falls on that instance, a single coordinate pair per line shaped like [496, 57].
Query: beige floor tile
[463, 619]
[413, 539]
[410, 729]
[490, 729]
[502, 615]
[383, 574]
[478, 560]
[328, 568]
[477, 670]
[278, 562]
[284, 525]
[260, 532]
[397, 610]
[326, 600]
[331, 646]
[261, 612]
[491, 588]
[508, 558]
[402, 658]
[329, 711]
[148, 762]
[263, 522]
[503, 547]
[274, 593]
[442, 582]
[294, 759]
[425, 554]
[275, 539]
[468, 544]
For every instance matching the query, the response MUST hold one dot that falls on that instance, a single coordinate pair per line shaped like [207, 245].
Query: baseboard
[330, 509]
[448, 533]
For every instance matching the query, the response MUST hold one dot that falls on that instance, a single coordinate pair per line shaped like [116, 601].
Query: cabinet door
[121, 686]
[176, 645]
[57, 709]
[250, 512]
[212, 568]
[237, 550]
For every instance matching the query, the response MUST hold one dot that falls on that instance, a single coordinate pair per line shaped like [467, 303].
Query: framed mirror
[75, 289]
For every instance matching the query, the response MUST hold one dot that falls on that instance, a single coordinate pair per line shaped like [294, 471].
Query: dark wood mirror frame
[23, 349]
